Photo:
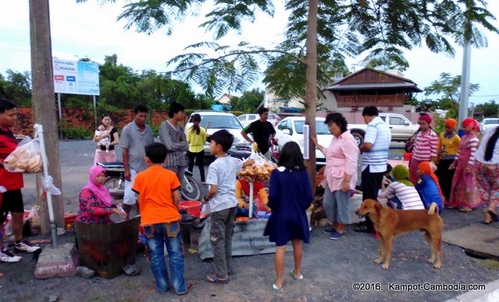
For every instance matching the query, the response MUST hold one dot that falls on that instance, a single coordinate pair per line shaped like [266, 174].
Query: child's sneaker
[25, 247]
[6, 256]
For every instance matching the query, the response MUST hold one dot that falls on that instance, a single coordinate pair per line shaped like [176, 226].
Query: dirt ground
[331, 269]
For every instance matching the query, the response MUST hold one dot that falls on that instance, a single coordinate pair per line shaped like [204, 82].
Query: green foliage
[447, 89]
[439, 124]
[248, 102]
[71, 132]
[488, 109]
[16, 87]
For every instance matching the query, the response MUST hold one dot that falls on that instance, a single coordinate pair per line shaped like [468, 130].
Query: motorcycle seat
[111, 165]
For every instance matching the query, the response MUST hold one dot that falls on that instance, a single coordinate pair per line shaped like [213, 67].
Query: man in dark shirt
[263, 132]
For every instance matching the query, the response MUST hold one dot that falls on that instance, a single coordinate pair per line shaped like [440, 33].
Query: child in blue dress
[290, 194]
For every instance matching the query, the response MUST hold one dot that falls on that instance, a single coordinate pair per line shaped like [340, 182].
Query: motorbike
[115, 181]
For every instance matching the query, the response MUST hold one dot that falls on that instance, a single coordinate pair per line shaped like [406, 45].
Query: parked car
[401, 127]
[291, 129]
[247, 119]
[223, 120]
[489, 122]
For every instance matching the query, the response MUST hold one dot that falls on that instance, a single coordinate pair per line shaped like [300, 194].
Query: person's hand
[250, 161]
[314, 140]
[127, 175]
[119, 212]
[452, 166]
[246, 206]
[467, 170]
[345, 186]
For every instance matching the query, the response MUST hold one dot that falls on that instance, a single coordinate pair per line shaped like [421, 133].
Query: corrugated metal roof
[247, 240]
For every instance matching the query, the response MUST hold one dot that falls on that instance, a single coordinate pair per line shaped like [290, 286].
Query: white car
[247, 119]
[291, 129]
[488, 123]
[219, 121]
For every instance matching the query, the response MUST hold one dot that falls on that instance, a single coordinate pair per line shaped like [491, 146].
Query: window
[396, 121]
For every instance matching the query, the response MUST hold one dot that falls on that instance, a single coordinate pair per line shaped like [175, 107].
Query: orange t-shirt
[155, 187]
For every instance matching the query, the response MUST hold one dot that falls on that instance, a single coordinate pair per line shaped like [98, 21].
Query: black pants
[199, 157]
[371, 183]
[445, 176]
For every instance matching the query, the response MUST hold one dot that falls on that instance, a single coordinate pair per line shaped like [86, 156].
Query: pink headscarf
[100, 191]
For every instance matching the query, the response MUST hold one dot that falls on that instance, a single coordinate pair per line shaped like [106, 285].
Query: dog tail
[433, 208]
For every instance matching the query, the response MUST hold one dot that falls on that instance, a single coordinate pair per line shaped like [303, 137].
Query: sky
[91, 30]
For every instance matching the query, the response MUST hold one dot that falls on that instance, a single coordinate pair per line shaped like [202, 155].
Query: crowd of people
[451, 171]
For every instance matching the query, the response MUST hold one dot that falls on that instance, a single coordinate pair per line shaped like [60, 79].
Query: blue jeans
[157, 236]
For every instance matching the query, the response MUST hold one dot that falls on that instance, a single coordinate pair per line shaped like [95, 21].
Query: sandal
[275, 287]
[493, 215]
[363, 229]
[214, 279]
[294, 275]
[189, 285]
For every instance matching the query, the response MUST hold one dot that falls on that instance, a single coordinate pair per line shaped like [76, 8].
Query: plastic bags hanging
[26, 158]
[260, 171]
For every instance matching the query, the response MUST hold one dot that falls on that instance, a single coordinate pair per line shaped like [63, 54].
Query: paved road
[331, 268]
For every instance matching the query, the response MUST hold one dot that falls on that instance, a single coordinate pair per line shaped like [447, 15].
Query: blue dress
[290, 194]
[428, 190]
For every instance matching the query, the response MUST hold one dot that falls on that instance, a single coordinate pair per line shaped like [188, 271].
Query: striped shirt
[425, 146]
[471, 144]
[408, 196]
[378, 134]
[175, 141]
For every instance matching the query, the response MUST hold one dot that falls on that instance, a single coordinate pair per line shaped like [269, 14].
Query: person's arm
[167, 140]
[126, 166]
[369, 138]
[239, 194]
[116, 137]
[439, 146]
[473, 147]
[274, 190]
[349, 148]
[245, 132]
[93, 205]
[433, 146]
[176, 197]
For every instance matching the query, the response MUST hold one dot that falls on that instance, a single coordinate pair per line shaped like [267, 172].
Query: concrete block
[59, 262]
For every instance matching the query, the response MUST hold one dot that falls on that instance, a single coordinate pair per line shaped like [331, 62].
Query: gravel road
[331, 269]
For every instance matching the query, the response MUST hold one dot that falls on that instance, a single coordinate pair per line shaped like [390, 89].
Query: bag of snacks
[260, 171]
[26, 158]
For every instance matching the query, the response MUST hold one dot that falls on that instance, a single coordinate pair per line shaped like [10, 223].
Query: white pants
[129, 196]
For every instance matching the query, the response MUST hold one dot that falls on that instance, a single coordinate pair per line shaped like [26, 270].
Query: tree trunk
[311, 84]
[44, 110]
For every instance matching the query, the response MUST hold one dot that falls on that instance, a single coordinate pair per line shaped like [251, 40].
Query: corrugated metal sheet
[248, 240]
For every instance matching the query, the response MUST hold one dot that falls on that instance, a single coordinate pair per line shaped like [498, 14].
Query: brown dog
[389, 223]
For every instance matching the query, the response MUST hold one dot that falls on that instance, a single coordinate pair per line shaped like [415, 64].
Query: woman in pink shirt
[425, 147]
[340, 175]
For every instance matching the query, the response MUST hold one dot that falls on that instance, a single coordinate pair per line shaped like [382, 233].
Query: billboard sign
[76, 77]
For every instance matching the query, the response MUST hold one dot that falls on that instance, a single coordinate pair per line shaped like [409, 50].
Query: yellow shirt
[447, 146]
[196, 141]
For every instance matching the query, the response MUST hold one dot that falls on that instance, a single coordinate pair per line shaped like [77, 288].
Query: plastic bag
[205, 211]
[260, 171]
[26, 158]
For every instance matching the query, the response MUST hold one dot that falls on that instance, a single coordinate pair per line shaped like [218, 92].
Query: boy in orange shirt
[158, 192]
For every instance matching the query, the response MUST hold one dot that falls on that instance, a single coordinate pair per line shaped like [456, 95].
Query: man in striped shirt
[374, 158]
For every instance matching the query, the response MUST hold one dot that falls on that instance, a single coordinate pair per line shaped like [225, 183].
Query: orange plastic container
[407, 155]
[193, 207]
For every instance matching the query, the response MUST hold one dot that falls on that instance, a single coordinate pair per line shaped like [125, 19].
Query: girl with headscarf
[425, 147]
[487, 173]
[463, 191]
[95, 201]
[401, 193]
[428, 187]
[448, 144]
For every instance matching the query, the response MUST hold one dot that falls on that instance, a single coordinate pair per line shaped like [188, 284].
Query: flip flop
[493, 215]
[292, 272]
[275, 287]
[211, 278]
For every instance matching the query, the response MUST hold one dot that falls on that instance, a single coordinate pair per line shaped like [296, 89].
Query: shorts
[129, 196]
[12, 202]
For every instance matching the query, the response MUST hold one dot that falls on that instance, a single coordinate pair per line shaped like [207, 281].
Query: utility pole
[43, 99]
[465, 83]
